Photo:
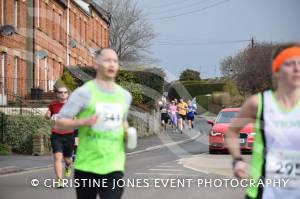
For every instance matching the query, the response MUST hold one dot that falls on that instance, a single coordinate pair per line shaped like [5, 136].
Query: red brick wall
[14, 46]
[51, 36]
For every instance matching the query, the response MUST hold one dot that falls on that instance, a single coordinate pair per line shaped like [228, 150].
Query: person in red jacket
[62, 141]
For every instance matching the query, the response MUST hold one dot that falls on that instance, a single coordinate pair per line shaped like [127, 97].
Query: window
[45, 73]
[2, 11]
[16, 75]
[50, 74]
[226, 116]
[54, 24]
[60, 28]
[103, 42]
[16, 14]
[37, 80]
[2, 74]
[82, 33]
[38, 13]
[94, 30]
[71, 24]
[106, 38]
[87, 33]
[49, 19]
[42, 13]
[99, 40]
[78, 25]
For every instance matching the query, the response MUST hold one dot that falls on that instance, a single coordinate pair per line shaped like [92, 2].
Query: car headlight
[252, 133]
[213, 133]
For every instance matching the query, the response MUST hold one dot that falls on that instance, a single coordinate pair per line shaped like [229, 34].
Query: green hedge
[203, 101]
[5, 149]
[136, 82]
[187, 89]
[19, 130]
[190, 82]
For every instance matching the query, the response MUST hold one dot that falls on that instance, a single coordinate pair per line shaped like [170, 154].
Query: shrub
[68, 80]
[190, 89]
[19, 130]
[5, 149]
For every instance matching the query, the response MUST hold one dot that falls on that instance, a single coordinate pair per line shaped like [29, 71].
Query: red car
[219, 127]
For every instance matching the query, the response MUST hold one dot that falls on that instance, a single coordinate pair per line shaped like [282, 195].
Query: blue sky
[212, 24]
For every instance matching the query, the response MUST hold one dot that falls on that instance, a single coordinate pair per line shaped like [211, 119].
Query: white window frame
[46, 74]
[16, 75]
[16, 3]
[2, 11]
[38, 13]
[38, 73]
[3, 74]
[51, 79]
[59, 27]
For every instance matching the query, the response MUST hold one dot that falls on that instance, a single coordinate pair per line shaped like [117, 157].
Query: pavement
[17, 163]
[211, 164]
[163, 165]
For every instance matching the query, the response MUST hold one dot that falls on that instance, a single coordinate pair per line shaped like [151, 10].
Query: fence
[19, 87]
[20, 107]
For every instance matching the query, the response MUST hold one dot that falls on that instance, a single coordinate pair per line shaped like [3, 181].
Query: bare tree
[130, 34]
[250, 69]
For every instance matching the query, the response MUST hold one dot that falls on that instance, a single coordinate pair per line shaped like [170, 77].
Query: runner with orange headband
[276, 114]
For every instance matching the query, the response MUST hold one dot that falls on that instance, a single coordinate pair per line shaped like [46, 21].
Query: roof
[78, 73]
[101, 11]
[63, 3]
[84, 6]
[104, 14]
[231, 109]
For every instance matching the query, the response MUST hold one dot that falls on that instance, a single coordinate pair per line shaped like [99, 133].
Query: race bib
[284, 164]
[110, 117]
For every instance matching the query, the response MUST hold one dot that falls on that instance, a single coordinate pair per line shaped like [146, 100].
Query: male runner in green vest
[101, 108]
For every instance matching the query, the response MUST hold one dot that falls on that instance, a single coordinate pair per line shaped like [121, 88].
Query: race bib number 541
[284, 164]
[110, 117]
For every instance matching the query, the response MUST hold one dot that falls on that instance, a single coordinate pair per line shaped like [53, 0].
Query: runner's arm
[48, 114]
[77, 101]
[128, 99]
[69, 124]
[246, 115]
[125, 126]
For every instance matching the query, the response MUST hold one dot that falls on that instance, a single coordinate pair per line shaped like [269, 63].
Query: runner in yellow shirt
[182, 109]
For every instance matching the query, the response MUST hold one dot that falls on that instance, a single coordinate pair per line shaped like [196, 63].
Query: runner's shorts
[165, 117]
[109, 191]
[63, 143]
[183, 117]
[190, 117]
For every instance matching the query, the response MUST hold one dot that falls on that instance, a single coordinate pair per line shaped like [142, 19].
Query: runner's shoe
[68, 171]
[60, 184]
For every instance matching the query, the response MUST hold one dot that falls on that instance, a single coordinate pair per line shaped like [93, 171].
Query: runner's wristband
[235, 160]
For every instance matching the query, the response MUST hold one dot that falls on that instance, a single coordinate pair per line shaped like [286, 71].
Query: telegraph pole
[252, 42]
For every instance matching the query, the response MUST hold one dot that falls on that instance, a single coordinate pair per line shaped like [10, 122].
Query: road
[162, 166]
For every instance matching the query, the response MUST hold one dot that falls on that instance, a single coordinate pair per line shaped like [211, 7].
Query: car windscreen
[226, 116]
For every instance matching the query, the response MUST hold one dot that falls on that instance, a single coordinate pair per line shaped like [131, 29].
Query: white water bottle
[131, 138]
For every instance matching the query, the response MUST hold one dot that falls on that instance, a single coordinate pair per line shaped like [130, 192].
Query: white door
[16, 76]
[2, 83]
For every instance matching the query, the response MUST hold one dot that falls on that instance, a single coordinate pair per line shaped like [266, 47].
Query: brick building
[36, 44]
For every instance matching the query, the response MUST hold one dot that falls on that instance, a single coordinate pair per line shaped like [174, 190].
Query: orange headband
[284, 55]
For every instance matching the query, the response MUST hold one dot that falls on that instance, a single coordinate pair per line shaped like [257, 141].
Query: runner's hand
[125, 136]
[240, 170]
[90, 121]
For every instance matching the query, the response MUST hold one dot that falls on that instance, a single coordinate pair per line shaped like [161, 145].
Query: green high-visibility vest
[101, 147]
